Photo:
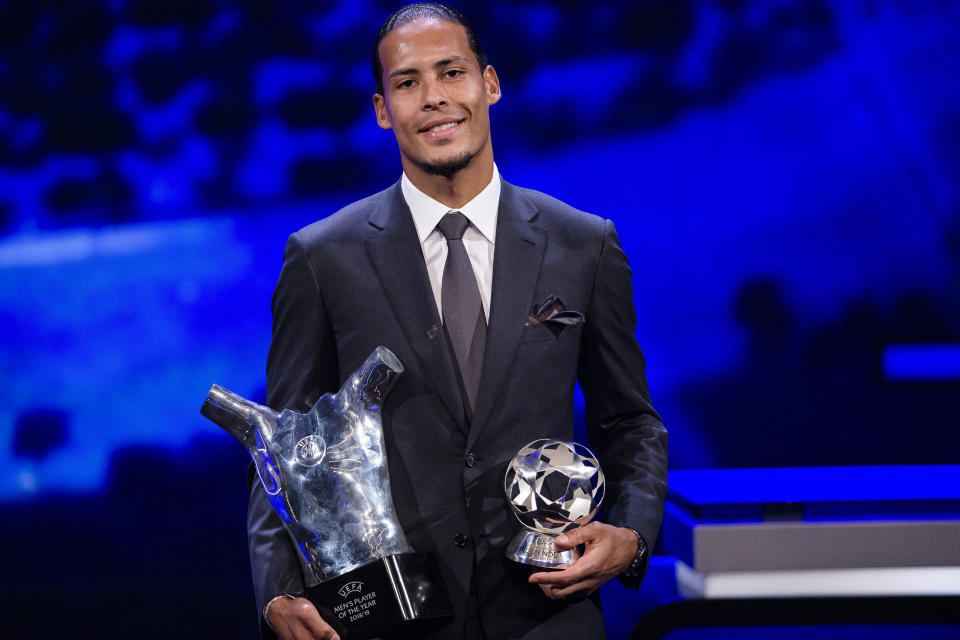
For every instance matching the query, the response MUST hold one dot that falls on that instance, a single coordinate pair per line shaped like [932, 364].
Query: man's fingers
[550, 578]
[550, 591]
[295, 630]
[581, 568]
[607, 551]
[316, 626]
[578, 589]
[320, 629]
[570, 539]
[298, 619]
[300, 630]
[574, 572]
[564, 542]
[554, 592]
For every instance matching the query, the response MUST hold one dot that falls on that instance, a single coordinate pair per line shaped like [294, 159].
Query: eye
[453, 73]
[405, 84]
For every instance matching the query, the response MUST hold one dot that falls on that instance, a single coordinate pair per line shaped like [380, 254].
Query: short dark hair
[421, 11]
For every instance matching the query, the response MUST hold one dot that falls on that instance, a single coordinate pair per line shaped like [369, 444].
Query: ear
[380, 108]
[491, 83]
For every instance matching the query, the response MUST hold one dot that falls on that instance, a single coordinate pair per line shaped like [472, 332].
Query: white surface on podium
[877, 581]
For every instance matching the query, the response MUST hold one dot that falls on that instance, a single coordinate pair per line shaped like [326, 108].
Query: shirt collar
[481, 211]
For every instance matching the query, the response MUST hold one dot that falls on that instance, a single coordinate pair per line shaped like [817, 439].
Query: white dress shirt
[478, 239]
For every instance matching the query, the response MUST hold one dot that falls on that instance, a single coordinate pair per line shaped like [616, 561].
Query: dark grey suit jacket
[357, 279]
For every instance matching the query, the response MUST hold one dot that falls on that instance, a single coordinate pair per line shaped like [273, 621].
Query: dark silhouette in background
[817, 396]
[124, 563]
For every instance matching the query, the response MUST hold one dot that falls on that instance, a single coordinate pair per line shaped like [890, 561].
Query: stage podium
[825, 545]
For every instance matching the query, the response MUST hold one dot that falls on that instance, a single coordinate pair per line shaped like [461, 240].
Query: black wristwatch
[633, 571]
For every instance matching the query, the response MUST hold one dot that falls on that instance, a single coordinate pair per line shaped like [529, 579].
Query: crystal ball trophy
[553, 486]
[325, 473]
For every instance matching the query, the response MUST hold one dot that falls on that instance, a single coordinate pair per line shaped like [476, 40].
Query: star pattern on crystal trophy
[552, 486]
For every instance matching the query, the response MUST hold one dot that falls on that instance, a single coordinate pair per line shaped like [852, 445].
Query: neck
[458, 189]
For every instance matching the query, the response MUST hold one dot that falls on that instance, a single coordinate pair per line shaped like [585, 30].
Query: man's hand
[298, 619]
[608, 550]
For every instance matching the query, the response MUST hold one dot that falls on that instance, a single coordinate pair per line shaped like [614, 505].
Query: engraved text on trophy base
[356, 608]
[543, 550]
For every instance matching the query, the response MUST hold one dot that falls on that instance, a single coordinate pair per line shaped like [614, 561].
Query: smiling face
[436, 99]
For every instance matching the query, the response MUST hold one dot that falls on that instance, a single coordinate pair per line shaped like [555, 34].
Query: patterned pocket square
[553, 315]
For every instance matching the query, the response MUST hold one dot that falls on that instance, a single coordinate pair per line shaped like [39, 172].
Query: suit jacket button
[460, 540]
[471, 459]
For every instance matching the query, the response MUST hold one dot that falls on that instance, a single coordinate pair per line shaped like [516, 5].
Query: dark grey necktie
[463, 316]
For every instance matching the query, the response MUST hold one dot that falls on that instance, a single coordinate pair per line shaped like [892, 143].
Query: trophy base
[537, 549]
[402, 589]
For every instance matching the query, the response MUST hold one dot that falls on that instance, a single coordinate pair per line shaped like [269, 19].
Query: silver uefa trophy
[325, 473]
[553, 486]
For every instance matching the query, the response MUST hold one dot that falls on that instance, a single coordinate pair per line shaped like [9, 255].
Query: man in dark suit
[482, 378]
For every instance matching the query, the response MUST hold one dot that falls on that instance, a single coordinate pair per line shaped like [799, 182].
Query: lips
[437, 124]
[441, 128]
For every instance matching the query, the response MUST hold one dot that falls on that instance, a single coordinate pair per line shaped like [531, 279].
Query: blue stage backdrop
[784, 175]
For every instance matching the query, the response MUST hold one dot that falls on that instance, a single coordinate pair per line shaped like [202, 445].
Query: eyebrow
[437, 65]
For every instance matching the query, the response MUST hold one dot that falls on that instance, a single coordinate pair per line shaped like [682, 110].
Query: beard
[449, 166]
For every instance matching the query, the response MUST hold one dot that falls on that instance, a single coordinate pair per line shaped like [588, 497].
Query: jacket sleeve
[627, 433]
[301, 366]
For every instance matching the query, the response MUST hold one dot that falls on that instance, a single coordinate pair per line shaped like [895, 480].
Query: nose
[434, 95]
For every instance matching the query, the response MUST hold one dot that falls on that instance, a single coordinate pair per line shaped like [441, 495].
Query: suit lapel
[520, 244]
[396, 255]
